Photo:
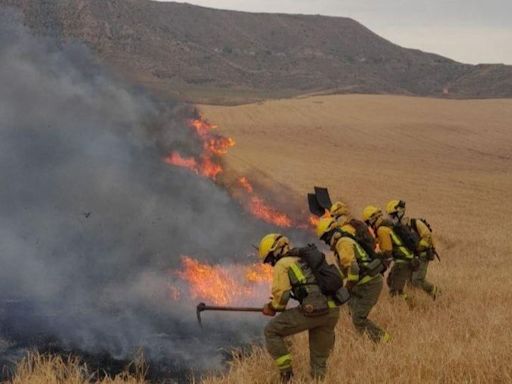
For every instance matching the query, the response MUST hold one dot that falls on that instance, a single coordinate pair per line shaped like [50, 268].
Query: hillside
[450, 160]
[219, 56]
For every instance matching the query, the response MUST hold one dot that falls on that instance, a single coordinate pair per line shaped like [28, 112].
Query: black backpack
[328, 277]
[363, 237]
[410, 238]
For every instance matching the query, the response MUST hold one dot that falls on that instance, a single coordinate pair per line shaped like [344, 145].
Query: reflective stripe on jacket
[390, 242]
[302, 280]
[352, 259]
[291, 277]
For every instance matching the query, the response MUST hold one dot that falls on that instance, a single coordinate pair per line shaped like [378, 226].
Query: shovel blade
[314, 207]
[323, 198]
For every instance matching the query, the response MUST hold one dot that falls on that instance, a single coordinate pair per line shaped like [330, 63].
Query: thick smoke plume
[91, 218]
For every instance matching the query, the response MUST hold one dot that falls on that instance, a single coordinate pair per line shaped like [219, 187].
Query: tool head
[323, 198]
[314, 207]
[200, 308]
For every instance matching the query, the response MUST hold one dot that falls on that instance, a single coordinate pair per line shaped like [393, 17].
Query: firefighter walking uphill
[362, 270]
[317, 313]
[391, 246]
[425, 246]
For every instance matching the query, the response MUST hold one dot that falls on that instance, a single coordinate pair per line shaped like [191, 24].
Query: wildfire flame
[244, 183]
[214, 146]
[314, 220]
[221, 285]
[262, 211]
[207, 165]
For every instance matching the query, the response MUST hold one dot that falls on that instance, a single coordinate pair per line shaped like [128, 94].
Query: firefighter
[339, 211]
[294, 278]
[425, 249]
[364, 285]
[391, 247]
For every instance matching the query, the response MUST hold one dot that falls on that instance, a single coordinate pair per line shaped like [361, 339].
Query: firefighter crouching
[425, 248]
[318, 313]
[363, 271]
[391, 246]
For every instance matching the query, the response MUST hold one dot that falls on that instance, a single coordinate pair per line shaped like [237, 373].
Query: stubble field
[452, 162]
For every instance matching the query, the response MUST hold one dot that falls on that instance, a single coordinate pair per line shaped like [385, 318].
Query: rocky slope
[201, 53]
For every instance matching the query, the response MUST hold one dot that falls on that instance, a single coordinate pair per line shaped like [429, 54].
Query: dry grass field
[44, 369]
[452, 162]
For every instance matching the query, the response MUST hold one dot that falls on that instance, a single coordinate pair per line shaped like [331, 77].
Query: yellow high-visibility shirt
[281, 286]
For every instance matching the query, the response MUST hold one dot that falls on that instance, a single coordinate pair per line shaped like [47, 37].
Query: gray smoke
[91, 218]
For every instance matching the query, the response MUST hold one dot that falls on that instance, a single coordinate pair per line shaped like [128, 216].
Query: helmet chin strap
[342, 219]
[280, 252]
[400, 215]
[376, 223]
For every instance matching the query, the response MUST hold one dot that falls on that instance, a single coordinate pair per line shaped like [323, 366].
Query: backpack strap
[414, 225]
[370, 252]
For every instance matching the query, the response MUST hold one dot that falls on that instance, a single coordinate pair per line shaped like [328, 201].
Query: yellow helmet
[339, 209]
[271, 243]
[325, 225]
[395, 206]
[371, 213]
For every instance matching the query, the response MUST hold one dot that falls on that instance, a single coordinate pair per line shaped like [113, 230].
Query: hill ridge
[207, 54]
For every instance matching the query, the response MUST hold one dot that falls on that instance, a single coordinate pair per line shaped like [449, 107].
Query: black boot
[286, 377]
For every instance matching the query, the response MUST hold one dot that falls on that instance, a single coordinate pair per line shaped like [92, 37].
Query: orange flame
[202, 127]
[269, 215]
[244, 183]
[207, 165]
[222, 285]
[314, 220]
[220, 145]
[209, 169]
[213, 146]
[259, 273]
[262, 210]
[180, 161]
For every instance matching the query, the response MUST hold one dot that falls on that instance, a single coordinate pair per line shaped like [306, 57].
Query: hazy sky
[471, 31]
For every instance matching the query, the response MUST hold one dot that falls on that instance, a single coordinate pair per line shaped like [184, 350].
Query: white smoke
[91, 218]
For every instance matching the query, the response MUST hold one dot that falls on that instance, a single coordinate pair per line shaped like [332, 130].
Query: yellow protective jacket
[351, 257]
[390, 243]
[427, 241]
[281, 285]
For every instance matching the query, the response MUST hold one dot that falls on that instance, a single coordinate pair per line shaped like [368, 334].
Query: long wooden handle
[232, 309]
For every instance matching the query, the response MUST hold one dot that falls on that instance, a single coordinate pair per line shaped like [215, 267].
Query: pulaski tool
[203, 307]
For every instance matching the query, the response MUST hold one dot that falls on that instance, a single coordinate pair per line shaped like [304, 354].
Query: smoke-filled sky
[470, 31]
[92, 220]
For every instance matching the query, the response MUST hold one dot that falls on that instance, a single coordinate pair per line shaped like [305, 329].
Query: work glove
[268, 310]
